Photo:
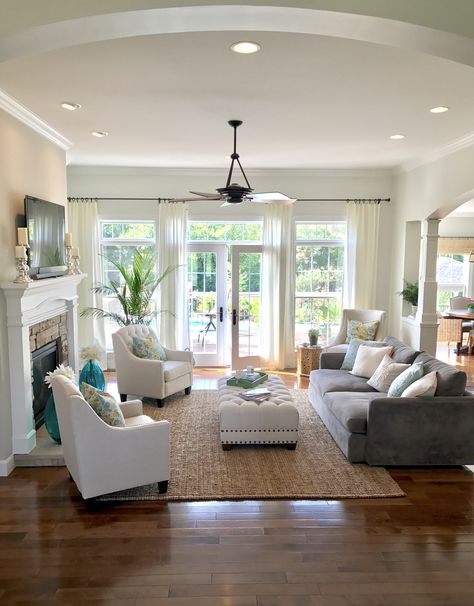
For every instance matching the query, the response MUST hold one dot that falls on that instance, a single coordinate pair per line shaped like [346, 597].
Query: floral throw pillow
[104, 405]
[361, 330]
[148, 348]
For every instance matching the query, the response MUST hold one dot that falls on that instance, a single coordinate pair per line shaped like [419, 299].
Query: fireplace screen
[44, 359]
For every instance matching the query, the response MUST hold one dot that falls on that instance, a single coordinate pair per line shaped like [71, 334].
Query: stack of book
[256, 395]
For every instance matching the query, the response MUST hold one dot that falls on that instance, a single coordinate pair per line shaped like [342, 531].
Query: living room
[324, 142]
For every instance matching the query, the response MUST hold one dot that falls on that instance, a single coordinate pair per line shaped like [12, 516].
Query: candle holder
[76, 270]
[69, 262]
[23, 272]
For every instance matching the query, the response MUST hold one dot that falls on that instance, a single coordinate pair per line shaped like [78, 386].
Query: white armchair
[360, 315]
[103, 459]
[149, 378]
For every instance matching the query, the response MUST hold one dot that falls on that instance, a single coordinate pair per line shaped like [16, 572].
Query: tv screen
[46, 226]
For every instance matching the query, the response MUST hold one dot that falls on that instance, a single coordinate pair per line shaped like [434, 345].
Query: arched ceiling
[327, 89]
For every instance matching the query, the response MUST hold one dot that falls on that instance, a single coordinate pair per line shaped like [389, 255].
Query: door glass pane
[249, 304]
[202, 301]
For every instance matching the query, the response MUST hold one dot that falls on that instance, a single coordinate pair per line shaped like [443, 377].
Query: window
[452, 275]
[119, 240]
[319, 279]
[224, 232]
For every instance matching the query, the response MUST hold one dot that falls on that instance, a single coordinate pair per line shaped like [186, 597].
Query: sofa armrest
[421, 431]
[332, 361]
[132, 408]
[179, 355]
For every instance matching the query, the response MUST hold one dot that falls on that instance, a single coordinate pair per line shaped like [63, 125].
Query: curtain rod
[360, 200]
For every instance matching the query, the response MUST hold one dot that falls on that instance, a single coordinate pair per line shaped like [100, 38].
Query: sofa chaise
[368, 426]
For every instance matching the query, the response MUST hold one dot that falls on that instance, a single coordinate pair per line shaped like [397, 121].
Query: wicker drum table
[308, 359]
[273, 421]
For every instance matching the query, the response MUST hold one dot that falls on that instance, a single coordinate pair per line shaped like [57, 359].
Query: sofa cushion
[338, 380]
[351, 409]
[368, 359]
[104, 405]
[401, 353]
[451, 382]
[404, 380]
[387, 371]
[352, 350]
[148, 348]
[424, 387]
[174, 370]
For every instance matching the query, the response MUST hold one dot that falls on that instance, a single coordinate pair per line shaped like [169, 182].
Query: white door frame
[220, 250]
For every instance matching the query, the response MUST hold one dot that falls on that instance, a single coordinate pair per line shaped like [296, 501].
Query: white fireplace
[27, 305]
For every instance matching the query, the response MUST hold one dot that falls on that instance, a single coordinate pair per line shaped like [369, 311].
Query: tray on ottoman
[273, 421]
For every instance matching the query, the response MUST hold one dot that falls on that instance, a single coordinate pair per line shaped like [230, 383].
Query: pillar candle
[20, 252]
[22, 234]
[68, 238]
[75, 252]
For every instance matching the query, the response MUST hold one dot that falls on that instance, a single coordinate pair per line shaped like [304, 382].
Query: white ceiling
[306, 100]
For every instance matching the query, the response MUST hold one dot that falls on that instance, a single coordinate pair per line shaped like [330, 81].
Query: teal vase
[92, 375]
[51, 420]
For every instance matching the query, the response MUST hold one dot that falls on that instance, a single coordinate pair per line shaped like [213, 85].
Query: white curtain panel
[278, 288]
[173, 293]
[83, 223]
[361, 254]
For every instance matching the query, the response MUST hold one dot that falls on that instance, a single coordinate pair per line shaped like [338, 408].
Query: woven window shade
[458, 246]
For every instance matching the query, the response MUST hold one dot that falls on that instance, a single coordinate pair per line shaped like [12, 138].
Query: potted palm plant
[134, 291]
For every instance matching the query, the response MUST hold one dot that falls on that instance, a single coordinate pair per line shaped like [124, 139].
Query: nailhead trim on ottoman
[273, 421]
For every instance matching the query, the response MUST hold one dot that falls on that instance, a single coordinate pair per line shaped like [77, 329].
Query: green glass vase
[51, 420]
[92, 375]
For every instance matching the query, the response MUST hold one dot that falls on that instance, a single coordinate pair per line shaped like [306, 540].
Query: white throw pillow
[387, 371]
[426, 386]
[368, 359]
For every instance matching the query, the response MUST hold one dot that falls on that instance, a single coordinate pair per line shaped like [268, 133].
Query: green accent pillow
[361, 330]
[148, 348]
[104, 405]
[351, 353]
[408, 376]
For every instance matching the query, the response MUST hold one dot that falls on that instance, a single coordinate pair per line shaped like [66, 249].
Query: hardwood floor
[417, 550]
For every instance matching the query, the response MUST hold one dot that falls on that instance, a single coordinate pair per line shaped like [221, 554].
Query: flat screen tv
[46, 226]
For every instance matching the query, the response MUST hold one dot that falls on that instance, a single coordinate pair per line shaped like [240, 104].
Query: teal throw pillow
[351, 353]
[104, 405]
[148, 348]
[361, 330]
[408, 376]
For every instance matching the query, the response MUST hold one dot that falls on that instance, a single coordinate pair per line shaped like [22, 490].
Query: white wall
[86, 181]
[432, 190]
[29, 165]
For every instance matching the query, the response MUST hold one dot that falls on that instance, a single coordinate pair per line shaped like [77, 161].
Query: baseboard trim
[7, 466]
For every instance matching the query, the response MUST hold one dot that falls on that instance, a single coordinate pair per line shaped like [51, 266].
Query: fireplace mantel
[28, 304]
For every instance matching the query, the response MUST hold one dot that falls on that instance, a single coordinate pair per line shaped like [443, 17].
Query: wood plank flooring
[414, 551]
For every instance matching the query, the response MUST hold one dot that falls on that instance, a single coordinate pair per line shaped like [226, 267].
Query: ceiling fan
[233, 193]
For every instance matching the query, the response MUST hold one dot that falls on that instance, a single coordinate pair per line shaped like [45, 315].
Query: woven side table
[308, 359]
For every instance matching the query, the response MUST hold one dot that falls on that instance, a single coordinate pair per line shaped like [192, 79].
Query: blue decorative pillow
[104, 405]
[148, 348]
[408, 376]
[351, 353]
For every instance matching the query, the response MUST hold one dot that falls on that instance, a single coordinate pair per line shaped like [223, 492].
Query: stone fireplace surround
[28, 305]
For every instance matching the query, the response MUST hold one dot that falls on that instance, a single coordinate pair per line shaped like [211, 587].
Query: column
[427, 316]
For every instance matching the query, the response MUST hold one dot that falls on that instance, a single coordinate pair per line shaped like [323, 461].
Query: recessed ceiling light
[397, 137]
[441, 109]
[70, 106]
[99, 133]
[245, 47]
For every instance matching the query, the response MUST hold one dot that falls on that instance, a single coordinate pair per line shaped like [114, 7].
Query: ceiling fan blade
[230, 204]
[272, 197]
[206, 195]
[188, 199]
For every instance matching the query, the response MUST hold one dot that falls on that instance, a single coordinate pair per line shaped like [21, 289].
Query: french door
[224, 304]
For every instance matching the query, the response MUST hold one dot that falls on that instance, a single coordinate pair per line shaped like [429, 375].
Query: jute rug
[201, 470]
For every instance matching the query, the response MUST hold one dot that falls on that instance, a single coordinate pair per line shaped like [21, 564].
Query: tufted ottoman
[273, 421]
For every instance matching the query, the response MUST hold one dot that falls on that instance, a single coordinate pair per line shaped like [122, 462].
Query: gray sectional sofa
[370, 427]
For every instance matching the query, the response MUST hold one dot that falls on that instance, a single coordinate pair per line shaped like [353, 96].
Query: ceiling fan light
[245, 47]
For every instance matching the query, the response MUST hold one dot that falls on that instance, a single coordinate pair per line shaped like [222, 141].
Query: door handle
[221, 314]
[234, 317]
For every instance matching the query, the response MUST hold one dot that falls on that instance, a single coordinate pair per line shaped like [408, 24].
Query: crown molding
[436, 154]
[83, 169]
[23, 114]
